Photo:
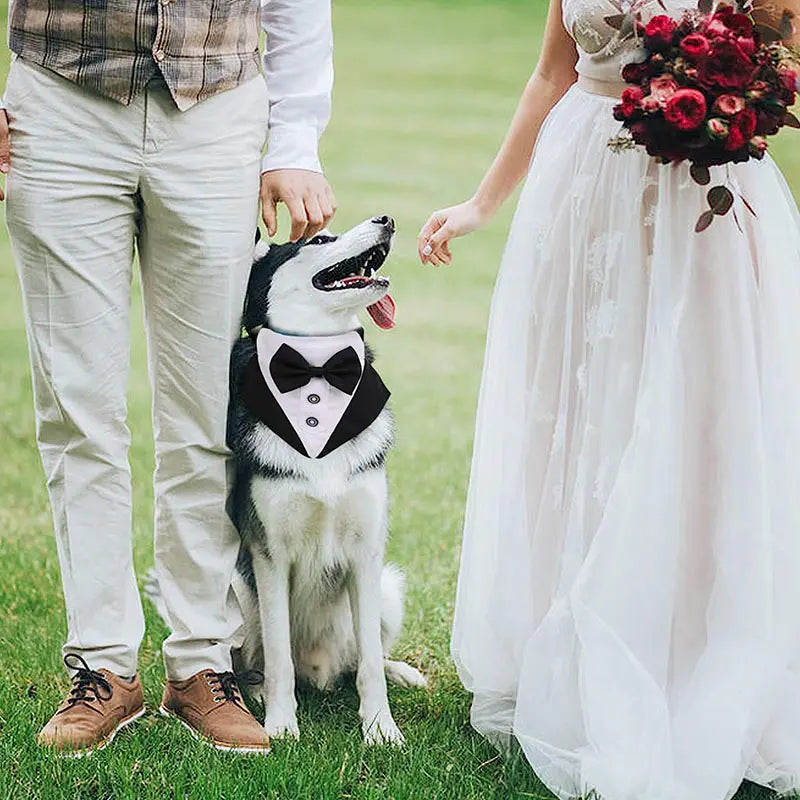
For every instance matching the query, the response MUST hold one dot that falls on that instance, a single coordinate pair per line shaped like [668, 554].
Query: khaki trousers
[91, 181]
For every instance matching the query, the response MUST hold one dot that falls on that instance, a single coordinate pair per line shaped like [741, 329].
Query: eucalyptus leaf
[700, 174]
[720, 200]
[790, 120]
[705, 6]
[706, 218]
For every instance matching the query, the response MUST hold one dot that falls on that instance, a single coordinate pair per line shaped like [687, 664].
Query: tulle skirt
[629, 597]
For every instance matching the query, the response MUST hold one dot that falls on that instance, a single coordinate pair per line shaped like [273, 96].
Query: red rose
[758, 147]
[631, 102]
[735, 140]
[695, 46]
[747, 44]
[650, 105]
[686, 109]
[717, 128]
[660, 32]
[740, 25]
[789, 80]
[745, 122]
[729, 104]
[727, 67]
[636, 73]
[662, 88]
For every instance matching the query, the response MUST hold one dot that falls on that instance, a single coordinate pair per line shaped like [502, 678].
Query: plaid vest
[200, 47]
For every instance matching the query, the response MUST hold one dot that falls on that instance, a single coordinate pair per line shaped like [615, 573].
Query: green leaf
[706, 218]
[700, 174]
[705, 6]
[720, 200]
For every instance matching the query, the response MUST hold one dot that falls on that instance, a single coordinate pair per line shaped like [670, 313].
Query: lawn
[424, 93]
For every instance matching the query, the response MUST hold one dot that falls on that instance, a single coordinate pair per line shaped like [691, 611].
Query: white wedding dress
[629, 597]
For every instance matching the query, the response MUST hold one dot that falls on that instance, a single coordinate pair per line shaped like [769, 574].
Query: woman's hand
[433, 244]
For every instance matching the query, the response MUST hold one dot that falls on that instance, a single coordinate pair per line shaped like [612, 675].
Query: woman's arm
[554, 74]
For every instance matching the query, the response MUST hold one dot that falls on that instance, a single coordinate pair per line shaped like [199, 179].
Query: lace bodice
[602, 51]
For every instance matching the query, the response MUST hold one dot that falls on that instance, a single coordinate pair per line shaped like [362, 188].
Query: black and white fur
[317, 600]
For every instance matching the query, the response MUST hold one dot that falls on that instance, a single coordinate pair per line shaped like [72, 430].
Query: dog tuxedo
[315, 392]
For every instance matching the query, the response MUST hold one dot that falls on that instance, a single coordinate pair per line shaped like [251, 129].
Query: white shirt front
[314, 410]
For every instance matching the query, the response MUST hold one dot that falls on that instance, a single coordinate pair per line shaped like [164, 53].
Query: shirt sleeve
[298, 67]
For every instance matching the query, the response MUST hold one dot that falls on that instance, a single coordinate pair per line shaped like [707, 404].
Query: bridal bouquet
[709, 88]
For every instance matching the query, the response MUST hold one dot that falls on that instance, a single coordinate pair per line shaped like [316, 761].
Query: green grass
[424, 93]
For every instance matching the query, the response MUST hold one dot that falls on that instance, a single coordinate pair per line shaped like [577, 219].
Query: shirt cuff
[292, 147]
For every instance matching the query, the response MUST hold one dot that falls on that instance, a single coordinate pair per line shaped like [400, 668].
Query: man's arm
[298, 65]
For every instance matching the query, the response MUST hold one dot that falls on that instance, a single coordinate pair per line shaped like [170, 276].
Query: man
[140, 124]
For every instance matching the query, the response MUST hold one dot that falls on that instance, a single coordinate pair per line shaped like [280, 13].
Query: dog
[310, 427]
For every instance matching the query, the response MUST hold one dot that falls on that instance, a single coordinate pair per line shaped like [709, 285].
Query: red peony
[660, 32]
[686, 109]
[726, 67]
[729, 104]
[695, 46]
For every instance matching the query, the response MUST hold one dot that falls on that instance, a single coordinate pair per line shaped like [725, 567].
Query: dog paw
[279, 725]
[401, 674]
[382, 730]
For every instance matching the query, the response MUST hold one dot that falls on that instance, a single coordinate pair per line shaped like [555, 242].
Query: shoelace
[88, 685]
[225, 685]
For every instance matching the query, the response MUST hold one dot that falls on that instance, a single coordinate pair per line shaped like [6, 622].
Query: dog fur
[318, 601]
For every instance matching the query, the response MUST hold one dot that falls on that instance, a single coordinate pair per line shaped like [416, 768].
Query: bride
[629, 598]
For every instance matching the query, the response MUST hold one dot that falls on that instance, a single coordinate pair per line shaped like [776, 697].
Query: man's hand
[5, 151]
[307, 195]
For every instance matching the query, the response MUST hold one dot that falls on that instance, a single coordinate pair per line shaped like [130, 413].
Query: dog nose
[387, 222]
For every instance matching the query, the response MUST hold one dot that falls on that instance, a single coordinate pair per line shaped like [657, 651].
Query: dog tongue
[382, 312]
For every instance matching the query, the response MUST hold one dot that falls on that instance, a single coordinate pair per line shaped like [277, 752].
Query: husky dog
[310, 428]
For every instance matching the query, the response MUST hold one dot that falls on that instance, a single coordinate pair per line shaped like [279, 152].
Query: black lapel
[368, 401]
[261, 402]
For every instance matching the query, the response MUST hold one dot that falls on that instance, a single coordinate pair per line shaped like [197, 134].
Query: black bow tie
[291, 371]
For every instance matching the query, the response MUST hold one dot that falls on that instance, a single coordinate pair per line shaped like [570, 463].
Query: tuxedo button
[313, 399]
[312, 422]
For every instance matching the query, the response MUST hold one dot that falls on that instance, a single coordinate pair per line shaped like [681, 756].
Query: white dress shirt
[298, 66]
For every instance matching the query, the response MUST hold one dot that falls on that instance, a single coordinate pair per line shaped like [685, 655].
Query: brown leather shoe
[210, 705]
[98, 706]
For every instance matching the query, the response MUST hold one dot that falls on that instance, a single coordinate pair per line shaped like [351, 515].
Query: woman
[629, 603]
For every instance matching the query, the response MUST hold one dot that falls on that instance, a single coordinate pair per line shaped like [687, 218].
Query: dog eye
[322, 239]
